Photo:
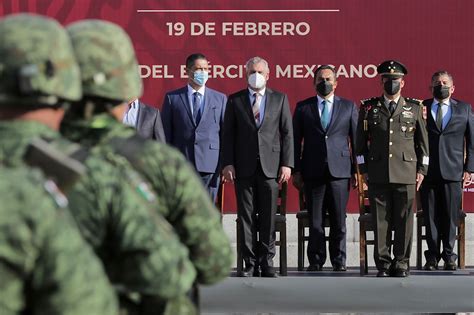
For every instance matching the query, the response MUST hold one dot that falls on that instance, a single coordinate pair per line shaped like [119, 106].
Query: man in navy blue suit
[450, 125]
[192, 120]
[325, 164]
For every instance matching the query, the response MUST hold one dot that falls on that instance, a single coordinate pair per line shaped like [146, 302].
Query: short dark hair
[321, 68]
[440, 73]
[192, 58]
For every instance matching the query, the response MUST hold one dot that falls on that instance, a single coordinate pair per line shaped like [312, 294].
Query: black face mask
[324, 88]
[391, 87]
[441, 92]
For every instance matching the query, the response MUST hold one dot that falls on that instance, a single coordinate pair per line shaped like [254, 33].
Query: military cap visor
[392, 68]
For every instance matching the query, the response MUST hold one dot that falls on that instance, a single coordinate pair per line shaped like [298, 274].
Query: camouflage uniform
[103, 50]
[111, 203]
[41, 248]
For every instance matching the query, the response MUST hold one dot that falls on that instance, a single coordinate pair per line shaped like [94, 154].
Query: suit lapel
[314, 109]
[454, 108]
[247, 107]
[335, 112]
[430, 122]
[206, 102]
[399, 108]
[268, 107]
[185, 101]
[141, 115]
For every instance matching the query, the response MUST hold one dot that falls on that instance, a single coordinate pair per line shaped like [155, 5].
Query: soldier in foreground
[392, 154]
[110, 79]
[142, 256]
[41, 248]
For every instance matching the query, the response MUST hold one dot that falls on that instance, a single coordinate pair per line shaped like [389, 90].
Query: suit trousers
[441, 202]
[327, 194]
[211, 183]
[257, 200]
[392, 209]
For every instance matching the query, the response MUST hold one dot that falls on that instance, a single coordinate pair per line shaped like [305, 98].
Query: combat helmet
[107, 60]
[37, 64]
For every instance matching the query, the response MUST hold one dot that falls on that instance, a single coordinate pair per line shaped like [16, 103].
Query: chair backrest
[282, 198]
[363, 194]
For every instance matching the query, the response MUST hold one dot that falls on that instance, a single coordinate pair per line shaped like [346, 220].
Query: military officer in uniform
[392, 155]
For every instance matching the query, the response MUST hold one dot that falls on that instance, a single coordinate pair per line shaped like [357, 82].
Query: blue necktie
[196, 107]
[324, 115]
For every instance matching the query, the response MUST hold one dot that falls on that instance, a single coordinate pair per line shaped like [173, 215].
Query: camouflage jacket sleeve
[189, 209]
[45, 265]
[139, 249]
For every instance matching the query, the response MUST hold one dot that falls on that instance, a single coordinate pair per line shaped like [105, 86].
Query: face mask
[200, 77]
[441, 92]
[256, 81]
[391, 87]
[324, 88]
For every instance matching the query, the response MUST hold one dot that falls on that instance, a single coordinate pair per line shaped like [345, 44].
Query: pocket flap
[214, 146]
[409, 157]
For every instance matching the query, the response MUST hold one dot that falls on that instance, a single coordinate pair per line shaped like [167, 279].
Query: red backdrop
[294, 36]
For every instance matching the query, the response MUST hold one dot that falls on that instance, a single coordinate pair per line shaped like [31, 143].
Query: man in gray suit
[146, 119]
[258, 154]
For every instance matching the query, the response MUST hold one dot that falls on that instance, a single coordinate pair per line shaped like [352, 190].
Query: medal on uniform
[424, 112]
[407, 114]
[404, 128]
[375, 110]
[366, 127]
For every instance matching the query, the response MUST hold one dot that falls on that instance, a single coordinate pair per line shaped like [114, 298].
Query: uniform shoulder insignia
[368, 101]
[413, 101]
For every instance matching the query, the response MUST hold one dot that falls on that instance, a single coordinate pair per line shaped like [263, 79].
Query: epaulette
[368, 101]
[413, 101]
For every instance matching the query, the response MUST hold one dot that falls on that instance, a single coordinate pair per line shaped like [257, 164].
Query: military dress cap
[37, 63]
[107, 60]
[392, 68]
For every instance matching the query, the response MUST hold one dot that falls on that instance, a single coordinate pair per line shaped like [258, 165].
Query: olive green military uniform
[45, 265]
[111, 203]
[392, 149]
[181, 198]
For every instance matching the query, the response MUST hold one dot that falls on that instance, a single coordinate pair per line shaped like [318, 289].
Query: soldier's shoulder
[369, 101]
[414, 101]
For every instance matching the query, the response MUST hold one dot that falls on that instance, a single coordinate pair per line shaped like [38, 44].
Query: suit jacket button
[326, 137]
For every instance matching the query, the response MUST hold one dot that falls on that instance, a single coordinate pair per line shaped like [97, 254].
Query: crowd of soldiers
[94, 219]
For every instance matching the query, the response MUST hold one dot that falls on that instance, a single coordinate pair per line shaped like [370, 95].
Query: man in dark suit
[392, 154]
[145, 119]
[258, 155]
[192, 119]
[327, 125]
[450, 126]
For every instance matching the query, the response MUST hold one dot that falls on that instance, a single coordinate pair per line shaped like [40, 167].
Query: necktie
[256, 108]
[324, 115]
[391, 106]
[439, 117]
[196, 107]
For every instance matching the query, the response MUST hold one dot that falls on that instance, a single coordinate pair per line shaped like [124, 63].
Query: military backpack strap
[129, 148]
[61, 168]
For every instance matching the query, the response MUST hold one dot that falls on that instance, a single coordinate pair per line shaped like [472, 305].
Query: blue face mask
[200, 77]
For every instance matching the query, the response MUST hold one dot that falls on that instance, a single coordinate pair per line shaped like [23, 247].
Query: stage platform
[343, 292]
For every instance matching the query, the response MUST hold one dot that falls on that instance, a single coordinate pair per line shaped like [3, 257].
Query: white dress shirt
[131, 116]
[445, 109]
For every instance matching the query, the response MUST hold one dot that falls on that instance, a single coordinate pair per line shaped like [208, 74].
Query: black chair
[460, 236]
[280, 228]
[303, 229]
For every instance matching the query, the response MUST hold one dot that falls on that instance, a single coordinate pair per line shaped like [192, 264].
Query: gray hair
[254, 60]
[440, 73]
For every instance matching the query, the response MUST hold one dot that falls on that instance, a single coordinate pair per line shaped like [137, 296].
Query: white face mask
[257, 81]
